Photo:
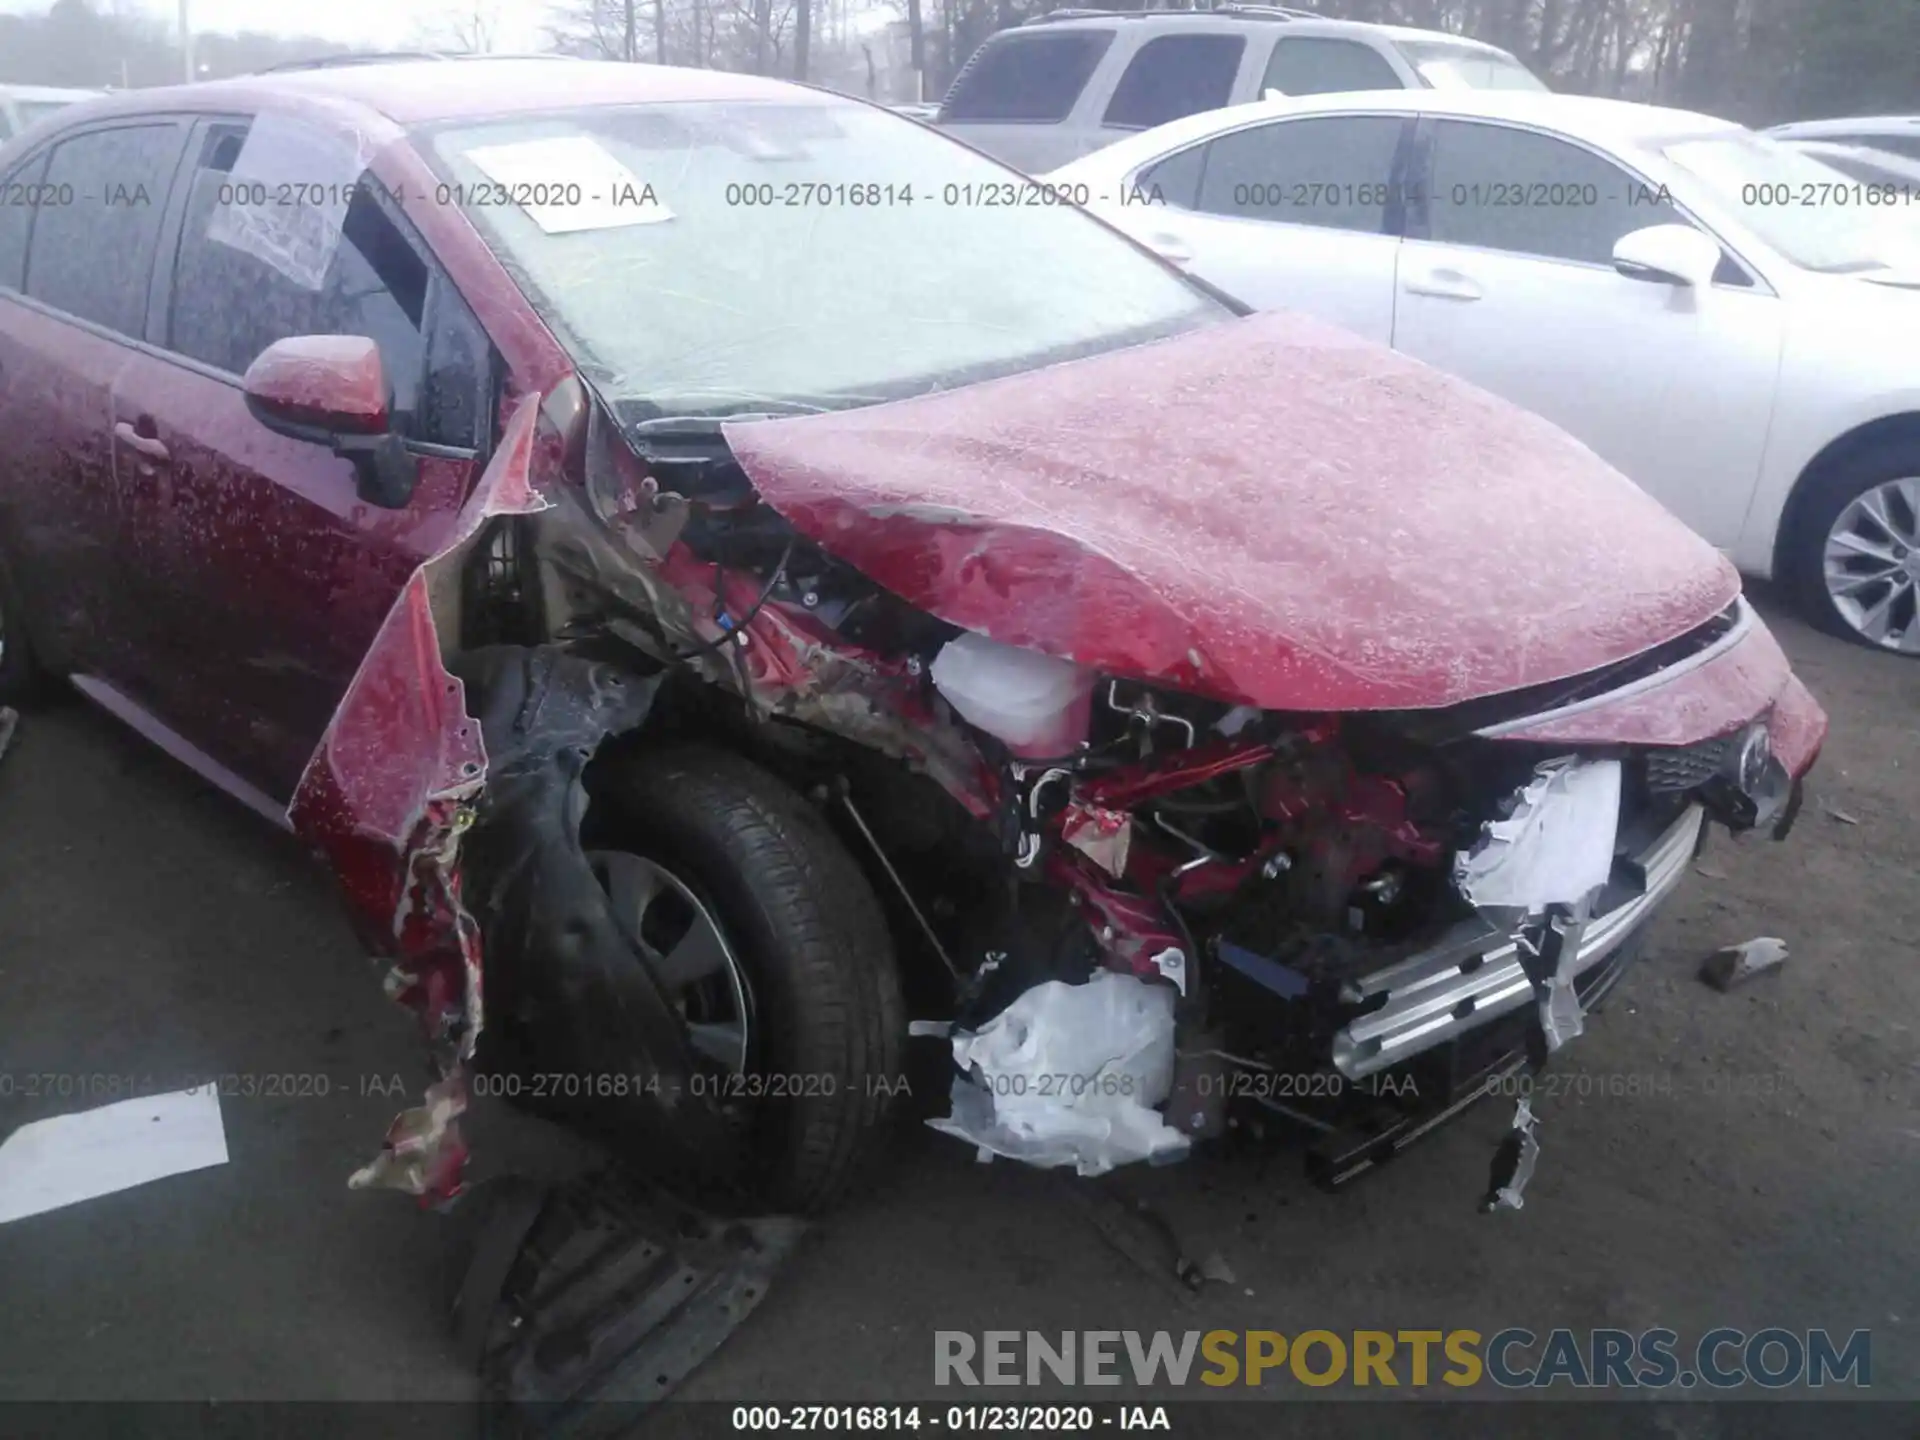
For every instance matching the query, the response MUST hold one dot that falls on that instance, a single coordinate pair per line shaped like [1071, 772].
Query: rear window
[1468, 67]
[1174, 76]
[1026, 78]
[34, 111]
[1310, 66]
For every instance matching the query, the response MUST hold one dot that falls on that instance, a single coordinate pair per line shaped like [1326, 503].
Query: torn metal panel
[1100, 834]
[387, 797]
[1174, 512]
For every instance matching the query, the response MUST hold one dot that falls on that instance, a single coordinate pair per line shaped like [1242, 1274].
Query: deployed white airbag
[1070, 1075]
[1557, 845]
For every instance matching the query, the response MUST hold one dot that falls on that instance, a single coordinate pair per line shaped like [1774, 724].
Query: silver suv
[1069, 82]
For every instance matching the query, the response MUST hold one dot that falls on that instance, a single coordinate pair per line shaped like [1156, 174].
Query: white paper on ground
[61, 1161]
[570, 182]
[1070, 1075]
[1555, 848]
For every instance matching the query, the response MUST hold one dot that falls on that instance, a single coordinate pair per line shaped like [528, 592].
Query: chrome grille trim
[1742, 623]
[1425, 991]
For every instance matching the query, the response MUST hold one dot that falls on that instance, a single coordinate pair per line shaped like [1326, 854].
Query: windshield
[1811, 213]
[711, 257]
[1468, 67]
[33, 110]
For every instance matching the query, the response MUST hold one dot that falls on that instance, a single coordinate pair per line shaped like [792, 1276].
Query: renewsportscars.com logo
[1721, 1359]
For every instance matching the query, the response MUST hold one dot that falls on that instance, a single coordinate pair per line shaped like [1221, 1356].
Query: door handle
[1444, 284]
[150, 446]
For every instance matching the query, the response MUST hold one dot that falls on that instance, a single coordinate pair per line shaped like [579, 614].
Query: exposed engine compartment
[1026, 819]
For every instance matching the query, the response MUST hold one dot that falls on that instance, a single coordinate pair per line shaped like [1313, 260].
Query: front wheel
[757, 921]
[1857, 558]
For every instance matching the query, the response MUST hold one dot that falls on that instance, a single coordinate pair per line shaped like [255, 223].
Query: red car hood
[1268, 511]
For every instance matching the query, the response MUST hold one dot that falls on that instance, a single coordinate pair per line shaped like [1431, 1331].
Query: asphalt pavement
[1748, 1159]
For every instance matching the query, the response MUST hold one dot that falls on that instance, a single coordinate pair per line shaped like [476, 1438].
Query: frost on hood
[1070, 1075]
[387, 797]
[1266, 510]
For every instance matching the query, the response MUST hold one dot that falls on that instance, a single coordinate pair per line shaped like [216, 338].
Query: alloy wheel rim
[1871, 564]
[688, 952]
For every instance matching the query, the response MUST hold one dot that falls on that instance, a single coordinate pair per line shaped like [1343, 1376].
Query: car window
[1175, 75]
[18, 194]
[33, 111]
[1516, 190]
[1447, 66]
[1308, 66]
[1856, 166]
[93, 258]
[229, 303]
[1329, 171]
[1176, 179]
[1023, 78]
[1908, 145]
[690, 288]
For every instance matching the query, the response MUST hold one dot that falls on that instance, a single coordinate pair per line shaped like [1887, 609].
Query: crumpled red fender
[386, 798]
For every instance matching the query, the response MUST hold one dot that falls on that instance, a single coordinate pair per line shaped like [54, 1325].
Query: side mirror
[332, 390]
[1668, 255]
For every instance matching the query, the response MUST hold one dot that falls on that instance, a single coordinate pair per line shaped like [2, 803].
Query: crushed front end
[1369, 919]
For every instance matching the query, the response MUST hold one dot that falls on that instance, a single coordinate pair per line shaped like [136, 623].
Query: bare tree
[471, 27]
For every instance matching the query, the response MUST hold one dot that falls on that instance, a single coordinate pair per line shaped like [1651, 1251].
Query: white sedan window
[1506, 189]
[1332, 172]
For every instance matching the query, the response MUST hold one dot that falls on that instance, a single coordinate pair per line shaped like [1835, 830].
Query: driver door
[1506, 279]
[263, 576]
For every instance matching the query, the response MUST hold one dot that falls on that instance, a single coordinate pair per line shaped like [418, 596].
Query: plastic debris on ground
[1557, 845]
[1513, 1162]
[1070, 1075]
[1736, 964]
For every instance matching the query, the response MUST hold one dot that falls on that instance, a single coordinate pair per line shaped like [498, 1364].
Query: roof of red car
[412, 92]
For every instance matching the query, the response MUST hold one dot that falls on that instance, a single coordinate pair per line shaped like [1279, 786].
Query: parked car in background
[1694, 301]
[1066, 83]
[24, 105]
[916, 110]
[1894, 173]
[1898, 133]
[941, 648]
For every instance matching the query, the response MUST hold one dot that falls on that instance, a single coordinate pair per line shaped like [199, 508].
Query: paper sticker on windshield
[566, 183]
[285, 200]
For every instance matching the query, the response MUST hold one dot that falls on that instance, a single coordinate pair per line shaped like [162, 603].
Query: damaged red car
[720, 569]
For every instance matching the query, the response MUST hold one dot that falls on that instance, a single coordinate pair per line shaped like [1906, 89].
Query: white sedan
[1734, 326]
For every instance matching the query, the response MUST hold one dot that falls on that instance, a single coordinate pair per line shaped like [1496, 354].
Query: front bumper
[1473, 975]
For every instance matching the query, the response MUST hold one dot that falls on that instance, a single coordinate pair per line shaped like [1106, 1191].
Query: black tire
[1828, 493]
[21, 678]
[811, 936]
